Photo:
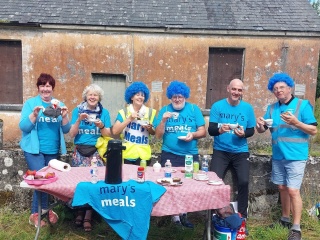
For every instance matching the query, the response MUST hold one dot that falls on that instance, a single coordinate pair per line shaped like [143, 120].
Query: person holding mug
[44, 121]
[135, 124]
[89, 121]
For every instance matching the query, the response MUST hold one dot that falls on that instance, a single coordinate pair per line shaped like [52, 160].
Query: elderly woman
[136, 124]
[89, 121]
[179, 119]
[42, 136]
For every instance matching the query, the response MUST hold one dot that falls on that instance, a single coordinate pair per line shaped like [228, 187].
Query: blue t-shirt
[126, 207]
[188, 120]
[48, 132]
[88, 133]
[222, 112]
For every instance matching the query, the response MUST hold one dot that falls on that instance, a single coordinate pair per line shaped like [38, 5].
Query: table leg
[207, 230]
[209, 216]
[39, 215]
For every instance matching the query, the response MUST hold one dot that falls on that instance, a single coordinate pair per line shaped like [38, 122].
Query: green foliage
[262, 150]
[316, 6]
[315, 148]
[318, 82]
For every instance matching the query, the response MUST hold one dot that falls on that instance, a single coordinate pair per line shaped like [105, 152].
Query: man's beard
[175, 107]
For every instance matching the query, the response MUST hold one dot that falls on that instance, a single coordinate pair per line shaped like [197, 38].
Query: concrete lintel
[171, 30]
[10, 107]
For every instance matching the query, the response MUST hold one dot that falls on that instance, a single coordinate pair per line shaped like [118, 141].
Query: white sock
[175, 219]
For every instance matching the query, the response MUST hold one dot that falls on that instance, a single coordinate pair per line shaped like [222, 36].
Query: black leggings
[221, 161]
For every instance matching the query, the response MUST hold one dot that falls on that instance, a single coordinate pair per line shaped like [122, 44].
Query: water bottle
[205, 163]
[167, 170]
[94, 170]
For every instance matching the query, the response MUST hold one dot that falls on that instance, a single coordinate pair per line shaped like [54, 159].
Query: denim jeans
[36, 162]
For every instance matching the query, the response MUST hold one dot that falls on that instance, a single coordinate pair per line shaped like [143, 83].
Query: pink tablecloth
[191, 196]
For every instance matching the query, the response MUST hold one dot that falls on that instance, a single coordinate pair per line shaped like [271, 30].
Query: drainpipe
[1, 134]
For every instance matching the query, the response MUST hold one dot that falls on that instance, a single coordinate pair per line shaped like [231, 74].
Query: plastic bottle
[143, 163]
[205, 163]
[195, 166]
[94, 170]
[167, 170]
[140, 175]
[157, 167]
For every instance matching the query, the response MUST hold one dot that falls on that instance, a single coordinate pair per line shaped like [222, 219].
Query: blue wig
[280, 77]
[133, 89]
[177, 87]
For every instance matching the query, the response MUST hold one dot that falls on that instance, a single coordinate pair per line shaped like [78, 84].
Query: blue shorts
[288, 173]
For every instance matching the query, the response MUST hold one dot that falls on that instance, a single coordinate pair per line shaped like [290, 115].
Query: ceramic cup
[233, 126]
[268, 122]
[175, 115]
[201, 176]
[92, 117]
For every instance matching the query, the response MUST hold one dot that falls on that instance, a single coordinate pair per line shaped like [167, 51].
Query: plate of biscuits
[170, 181]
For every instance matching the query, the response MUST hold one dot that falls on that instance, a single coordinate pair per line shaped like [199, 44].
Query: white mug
[92, 117]
[268, 122]
[175, 115]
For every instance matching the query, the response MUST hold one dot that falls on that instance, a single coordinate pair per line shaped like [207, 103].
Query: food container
[157, 167]
[40, 181]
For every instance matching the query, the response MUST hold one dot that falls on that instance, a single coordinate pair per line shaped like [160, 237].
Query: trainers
[33, 220]
[53, 217]
[294, 235]
[281, 223]
[185, 222]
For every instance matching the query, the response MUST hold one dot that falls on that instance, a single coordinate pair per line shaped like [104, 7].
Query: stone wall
[263, 194]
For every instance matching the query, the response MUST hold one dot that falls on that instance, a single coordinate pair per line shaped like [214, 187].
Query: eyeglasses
[177, 97]
[281, 88]
[139, 94]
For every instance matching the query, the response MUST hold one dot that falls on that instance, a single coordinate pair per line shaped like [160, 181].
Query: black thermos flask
[114, 162]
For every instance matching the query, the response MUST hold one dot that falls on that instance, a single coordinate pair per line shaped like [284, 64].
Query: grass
[15, 226]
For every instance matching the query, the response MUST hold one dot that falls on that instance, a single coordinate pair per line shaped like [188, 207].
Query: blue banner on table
[126, 207]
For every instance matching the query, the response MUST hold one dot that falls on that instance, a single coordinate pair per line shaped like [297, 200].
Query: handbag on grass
[86, 150]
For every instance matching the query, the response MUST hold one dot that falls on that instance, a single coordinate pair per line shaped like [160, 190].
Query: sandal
[79, 219]
[87, 225]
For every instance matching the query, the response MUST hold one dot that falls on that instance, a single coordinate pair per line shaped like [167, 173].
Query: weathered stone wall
[263, 194]
[72, 56]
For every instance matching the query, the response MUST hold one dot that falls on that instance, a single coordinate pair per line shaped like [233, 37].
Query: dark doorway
[10, 72]
[224, 65]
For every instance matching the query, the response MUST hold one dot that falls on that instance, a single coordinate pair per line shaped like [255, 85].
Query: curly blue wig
[280, 77]
[177, 87]
[133, 89]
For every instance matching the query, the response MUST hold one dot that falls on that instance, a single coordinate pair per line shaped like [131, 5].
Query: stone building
[113, 43]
